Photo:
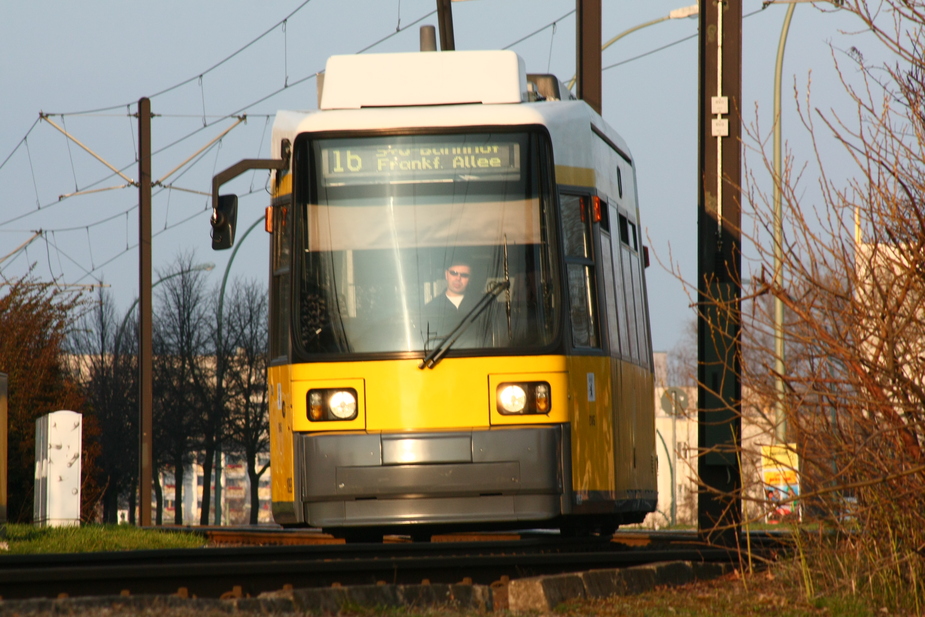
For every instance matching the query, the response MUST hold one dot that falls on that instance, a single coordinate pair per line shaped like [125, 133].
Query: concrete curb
[544, 593]
[538, 594]
[332, 599]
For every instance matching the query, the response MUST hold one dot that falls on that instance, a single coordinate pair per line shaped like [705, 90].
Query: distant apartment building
[677, 442]
[229, 490]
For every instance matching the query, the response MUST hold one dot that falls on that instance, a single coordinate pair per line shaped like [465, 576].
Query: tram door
[590, 374]
[617, 335]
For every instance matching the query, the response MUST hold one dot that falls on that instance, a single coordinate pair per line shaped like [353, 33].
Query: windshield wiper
[431, 359]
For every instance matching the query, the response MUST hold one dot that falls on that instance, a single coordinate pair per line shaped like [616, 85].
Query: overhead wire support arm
[91, 191]
[180, 188]
[22, 246]
[45, 117]
[160, 182]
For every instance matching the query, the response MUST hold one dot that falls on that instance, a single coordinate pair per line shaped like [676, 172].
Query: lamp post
[220, 366]
[688, 11]
[197, 268]
[780, 368]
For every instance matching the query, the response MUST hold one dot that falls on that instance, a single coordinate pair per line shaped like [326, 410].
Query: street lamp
[220, 365]
[780, 368]
[687, 11]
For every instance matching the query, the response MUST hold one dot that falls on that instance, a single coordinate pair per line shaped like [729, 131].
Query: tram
[459, 332]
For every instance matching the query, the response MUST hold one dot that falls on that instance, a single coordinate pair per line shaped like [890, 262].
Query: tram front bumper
[476, 476]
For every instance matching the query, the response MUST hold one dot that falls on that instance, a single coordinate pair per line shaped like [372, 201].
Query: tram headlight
[524, 398]
[330, 404]
[512, 398]
[343, 404]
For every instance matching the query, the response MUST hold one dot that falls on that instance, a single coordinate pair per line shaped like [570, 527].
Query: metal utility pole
[718, 270]
[145, 338]
[4, 460]
[445, 17]
[588, 53]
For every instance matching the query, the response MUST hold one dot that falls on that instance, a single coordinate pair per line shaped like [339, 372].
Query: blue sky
[194, 61]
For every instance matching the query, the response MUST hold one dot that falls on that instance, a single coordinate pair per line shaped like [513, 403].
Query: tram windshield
[405, 237]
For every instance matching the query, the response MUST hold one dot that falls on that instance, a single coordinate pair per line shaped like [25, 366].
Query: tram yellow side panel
[592, 417]
[284, 187]
[646, 456]
[624, 423]
[456, 393]
[636, 455]
[280, 397]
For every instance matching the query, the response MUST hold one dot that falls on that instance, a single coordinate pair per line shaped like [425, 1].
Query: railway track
[311, 560]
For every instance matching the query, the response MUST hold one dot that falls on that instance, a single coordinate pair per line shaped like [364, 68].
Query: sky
[86, 64]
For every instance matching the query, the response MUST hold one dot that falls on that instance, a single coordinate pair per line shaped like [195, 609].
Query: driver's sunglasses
[464, 275]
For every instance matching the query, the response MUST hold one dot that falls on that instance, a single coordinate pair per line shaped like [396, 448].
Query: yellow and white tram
[531, 405]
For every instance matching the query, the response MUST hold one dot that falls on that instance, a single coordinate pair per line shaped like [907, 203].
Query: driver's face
[457, 279]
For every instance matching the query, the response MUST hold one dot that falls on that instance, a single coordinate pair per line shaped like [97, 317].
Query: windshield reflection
[393, 259]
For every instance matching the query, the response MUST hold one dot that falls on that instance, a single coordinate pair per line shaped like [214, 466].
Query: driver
[446, 310]
[457, 276]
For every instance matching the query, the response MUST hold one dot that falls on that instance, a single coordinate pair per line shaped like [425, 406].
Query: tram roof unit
[424, 78]
[394, 92]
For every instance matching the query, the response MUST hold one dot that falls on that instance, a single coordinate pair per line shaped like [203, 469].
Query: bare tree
[183, 371]
[246, 380]
[106, 369]
[682, 358]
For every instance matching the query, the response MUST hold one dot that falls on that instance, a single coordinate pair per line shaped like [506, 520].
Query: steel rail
[212, 572]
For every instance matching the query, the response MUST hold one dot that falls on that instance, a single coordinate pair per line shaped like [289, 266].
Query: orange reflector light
[315, 409]
[268, 220]
[596, 209]
[541, 395]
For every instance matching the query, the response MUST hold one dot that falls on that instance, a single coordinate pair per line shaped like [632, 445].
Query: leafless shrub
[854, 294]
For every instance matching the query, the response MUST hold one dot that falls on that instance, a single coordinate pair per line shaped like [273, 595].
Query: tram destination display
[364, 163]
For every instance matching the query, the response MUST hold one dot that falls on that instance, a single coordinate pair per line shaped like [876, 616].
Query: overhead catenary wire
[22, 246]
[35, 184]
[87, 189]
[129, 248]
[538, 30]
[220, 118]
[19, 143]
[206, 124]
[552, 38]
[121, 173]
[70, 155]
[663, 47]
[59, 252]
[218, 64]
[386, 38]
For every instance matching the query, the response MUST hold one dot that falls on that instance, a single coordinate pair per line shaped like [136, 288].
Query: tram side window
[280, 284]
[620, 290]
[579, 263]
[607, 259]
[638, 293]
[630, 262]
